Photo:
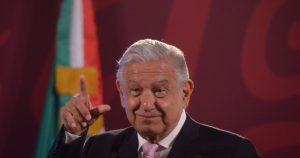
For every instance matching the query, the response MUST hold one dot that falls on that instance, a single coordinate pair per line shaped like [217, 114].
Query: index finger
[82, 88]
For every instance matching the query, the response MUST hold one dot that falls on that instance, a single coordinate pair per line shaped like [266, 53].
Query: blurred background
[244, 57]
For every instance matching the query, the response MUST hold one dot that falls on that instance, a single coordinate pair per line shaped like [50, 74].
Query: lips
[147, 115]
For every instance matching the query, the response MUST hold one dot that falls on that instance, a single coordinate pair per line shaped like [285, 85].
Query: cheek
[171, 109]
[131, 105]
[169, 104]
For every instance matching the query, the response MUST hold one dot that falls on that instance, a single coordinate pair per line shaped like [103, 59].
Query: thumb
[99, 110]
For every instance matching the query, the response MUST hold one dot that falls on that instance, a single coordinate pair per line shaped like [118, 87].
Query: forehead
[155, 71]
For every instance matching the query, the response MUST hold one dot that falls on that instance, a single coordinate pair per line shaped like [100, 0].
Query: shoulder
[211, 132]
[228, 142]
[218, 133]
[209, 141]
[213, 135]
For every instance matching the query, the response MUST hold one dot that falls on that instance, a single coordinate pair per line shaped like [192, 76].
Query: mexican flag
[77, 54]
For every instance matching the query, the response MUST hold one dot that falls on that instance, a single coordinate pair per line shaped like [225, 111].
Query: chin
[149, 131]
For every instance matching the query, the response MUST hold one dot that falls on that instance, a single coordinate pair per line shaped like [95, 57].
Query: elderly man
[155, 89]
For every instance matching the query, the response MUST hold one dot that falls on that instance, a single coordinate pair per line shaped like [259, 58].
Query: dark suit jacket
[193, 141]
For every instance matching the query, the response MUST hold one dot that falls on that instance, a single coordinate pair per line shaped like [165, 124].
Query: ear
[121, 92]
[187, 92]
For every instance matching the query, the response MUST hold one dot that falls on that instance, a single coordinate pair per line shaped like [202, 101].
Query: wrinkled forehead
[156, 71]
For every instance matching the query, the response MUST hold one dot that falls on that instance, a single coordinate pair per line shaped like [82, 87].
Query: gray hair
[148, 50]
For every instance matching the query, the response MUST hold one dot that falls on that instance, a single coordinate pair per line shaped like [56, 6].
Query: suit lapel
[128, 148]
[187, 142]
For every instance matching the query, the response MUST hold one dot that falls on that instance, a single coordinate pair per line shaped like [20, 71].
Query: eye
[160, 92]
[135, 91]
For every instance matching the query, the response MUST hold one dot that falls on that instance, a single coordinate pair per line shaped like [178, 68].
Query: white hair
[148, 50]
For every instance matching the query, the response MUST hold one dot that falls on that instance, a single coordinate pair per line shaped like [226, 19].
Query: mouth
[147, 115]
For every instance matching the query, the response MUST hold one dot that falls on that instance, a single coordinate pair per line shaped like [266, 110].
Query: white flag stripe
[76, 35]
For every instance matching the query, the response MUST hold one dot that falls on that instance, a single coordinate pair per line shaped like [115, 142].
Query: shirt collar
[169, 139]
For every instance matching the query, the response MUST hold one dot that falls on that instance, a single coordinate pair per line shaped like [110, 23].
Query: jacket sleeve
[61, 150]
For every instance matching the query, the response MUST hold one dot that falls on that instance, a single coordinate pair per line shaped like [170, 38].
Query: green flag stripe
[63, 34]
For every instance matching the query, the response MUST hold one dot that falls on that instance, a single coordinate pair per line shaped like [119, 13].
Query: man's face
[153, 97]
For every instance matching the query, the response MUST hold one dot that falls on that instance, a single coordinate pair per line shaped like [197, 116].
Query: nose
[147, 100]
